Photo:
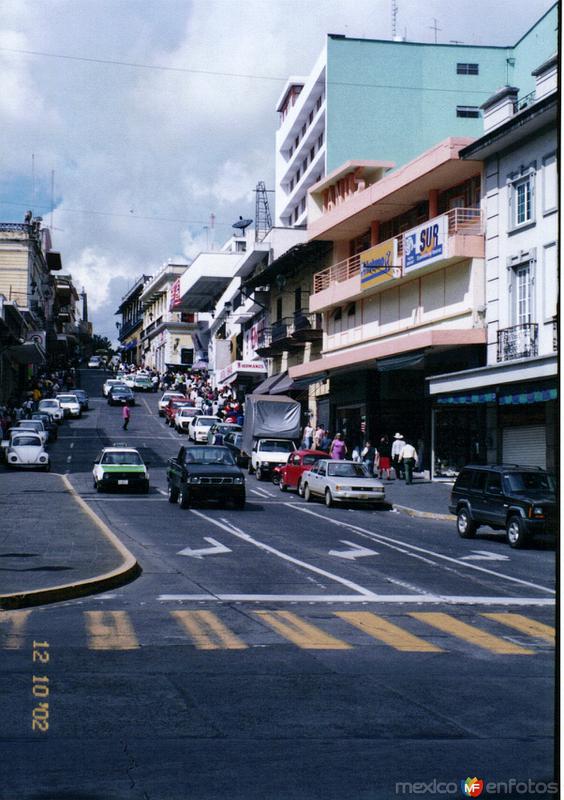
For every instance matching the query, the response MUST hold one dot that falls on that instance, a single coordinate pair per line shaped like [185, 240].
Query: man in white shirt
[408, 457]
[397, 447]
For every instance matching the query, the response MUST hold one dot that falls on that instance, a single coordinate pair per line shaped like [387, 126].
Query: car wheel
[282, 486]
[99, 487]
[259, 474]
[276, 478]
[240, 503]
[184, 500]
[328, 498]
[94, 484]
[250, 470]
[145, 489]
[516, 533]
[465, 525]
[307, 494]
[172, 494]
[300, 488]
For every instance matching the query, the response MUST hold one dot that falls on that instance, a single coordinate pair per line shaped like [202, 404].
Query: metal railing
[264, 338]
[524, 102]
[555, 335]
[520, 341]
[305, 321]
[128, 326]
[461, 221]
[280, 329]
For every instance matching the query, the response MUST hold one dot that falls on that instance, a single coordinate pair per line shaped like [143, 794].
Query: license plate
[123, 483]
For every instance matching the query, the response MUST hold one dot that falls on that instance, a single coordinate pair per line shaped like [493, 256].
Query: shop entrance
[459, 438]
[350, 421]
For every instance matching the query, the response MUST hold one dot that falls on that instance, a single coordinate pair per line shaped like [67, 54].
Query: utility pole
[435, 28]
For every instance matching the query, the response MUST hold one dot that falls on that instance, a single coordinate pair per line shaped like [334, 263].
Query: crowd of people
[44, 385]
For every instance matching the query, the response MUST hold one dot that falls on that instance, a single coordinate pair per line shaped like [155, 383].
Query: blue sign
[426, 243]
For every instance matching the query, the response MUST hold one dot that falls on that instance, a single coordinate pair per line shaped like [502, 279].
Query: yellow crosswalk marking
[15, 622]
[526, 625]
[469, 633]
[387, 632]
[305, 635]
[110, 630]
[207, 631]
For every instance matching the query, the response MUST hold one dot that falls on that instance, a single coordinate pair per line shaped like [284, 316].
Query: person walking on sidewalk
[369, 455]
[338, 449]
[384, 457]
[408, 457]
[126, 414]
[397, 447]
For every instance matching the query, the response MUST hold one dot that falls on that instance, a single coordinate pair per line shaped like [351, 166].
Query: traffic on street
[266, 627]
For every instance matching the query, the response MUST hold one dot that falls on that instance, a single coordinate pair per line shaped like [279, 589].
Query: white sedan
[52, 407]
[70, 405]
[163, 402]
[338, 481]
[25, 450]
[184, 417]
[199, 427]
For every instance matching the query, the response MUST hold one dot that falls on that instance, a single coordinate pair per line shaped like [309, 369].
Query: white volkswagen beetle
[52, 407]
[33, 425]
[25, 450]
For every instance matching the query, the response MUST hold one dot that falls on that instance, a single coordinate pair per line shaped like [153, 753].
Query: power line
[190, 70]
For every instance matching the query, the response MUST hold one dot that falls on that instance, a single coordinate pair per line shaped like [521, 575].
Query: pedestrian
[338, 449]
[397, 447]
[408, 457]
[384, 457]
[307, 437]
[325, 444]
[368, 457]
[126, 414]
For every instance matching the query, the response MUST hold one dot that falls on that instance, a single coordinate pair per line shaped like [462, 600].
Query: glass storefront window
[459, 439]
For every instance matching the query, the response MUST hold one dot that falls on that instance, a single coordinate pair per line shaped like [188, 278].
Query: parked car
[183, 417]
[218, 430]
[120, 468]
[82, 398]
[129, 380]
[109, 383]
[143, 383]
[34, 425]
[338, 481]
[289, 476]
[95, 362]
[199, 426]
[52, 407]
[268, 454]
[25, 450]
[172, 407]
[518, 499]
[48, 423]
[234, 443]
[121, 396]
[70, 405]
[164, 401]
[205, 473]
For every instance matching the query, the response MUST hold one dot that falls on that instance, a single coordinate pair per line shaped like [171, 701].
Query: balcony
[128, 327]
[305, 327]
[264, 343]
[342, 282]
[520, 341]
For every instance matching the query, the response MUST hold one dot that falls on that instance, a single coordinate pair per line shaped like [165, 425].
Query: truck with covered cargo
[271, 428]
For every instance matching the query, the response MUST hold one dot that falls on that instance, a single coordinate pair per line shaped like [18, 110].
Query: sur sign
[426, 244]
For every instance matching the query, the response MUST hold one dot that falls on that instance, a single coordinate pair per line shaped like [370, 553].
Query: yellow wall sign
[377, 263]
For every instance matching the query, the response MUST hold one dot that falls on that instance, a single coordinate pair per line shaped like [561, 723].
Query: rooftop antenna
[263, 217]
[52, 196]
[435, 27]
[395, 11]
[212, 230]
[241, 225]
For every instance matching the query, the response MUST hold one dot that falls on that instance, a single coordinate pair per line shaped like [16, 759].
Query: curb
[128, 570]
[413, 512]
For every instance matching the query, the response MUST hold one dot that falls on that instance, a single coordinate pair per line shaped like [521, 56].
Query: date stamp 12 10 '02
[40, 688]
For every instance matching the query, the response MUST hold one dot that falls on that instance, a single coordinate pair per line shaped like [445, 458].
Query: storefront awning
[467, 399]
[285, 384]
[26, 353]
[410, 361]
[530, 396]
[266, 386]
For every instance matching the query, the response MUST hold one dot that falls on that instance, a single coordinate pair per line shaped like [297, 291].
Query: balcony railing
[280, 329]
[555, 335]
[461, 221]
[305, 325]
[520, 341]
[524, 102]
[128, 326]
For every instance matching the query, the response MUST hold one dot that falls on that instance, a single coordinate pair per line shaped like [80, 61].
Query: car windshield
[188, 412]
[347, 470]
[121, 458]
[68, 398]
[31, 424]
[26, 441]
[121, 390]
[311, 459]
[227, 428]
[49, 404]
[206, 422]
[80, 393]
[530, 482]
[209, 455]
[277, 446]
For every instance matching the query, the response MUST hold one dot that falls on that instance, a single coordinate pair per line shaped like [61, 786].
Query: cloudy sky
[155, 115]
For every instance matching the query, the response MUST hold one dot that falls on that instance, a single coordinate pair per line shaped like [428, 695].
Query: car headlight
[538, 512]
[339, 488]
[105, 476]
[194, 479]
[13, 458]
[265, 463]
[239, 480]
[43, 459]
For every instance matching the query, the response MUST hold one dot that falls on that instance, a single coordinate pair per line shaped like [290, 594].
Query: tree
[101, 343]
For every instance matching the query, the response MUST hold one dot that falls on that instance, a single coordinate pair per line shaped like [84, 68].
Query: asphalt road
[309, 653]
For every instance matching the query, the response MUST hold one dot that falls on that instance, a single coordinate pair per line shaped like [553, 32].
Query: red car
[172, 407]
[289, 476]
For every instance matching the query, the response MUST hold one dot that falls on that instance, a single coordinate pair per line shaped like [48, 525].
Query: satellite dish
[242, 224]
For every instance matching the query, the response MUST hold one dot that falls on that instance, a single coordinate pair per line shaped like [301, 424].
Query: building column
[374, 232]
[433, 203]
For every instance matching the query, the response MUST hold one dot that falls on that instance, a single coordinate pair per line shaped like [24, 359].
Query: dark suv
[518, 499]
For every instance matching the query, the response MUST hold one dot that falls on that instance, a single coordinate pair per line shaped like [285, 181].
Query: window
[310, 118]
[467, 69]
[493, 485]
[522, 283]
[549, 184]
[523, 202]
[550, 274]
[467, 111]
[318, 104]
[320, 140]
[312, 153]
[297, 300]
[522, 199]
[278, 309]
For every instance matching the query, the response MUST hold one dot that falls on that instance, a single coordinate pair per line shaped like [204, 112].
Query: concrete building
[166, 335]
[404, 295]
[131, 310]
[512, 400]
[391, 100]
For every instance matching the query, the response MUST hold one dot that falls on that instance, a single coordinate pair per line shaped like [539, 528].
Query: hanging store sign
[174, 295]
[426, 244]
[378, 264]
[242, 368]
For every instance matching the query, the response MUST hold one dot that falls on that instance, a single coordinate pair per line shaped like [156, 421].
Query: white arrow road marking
[483, 555]
[357, 551]
[217, 547]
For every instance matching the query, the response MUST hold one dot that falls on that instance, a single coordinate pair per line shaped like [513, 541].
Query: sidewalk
[52, 545]
[420, 499]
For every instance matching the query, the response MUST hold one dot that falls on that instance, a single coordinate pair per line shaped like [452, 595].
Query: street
[286, 650]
